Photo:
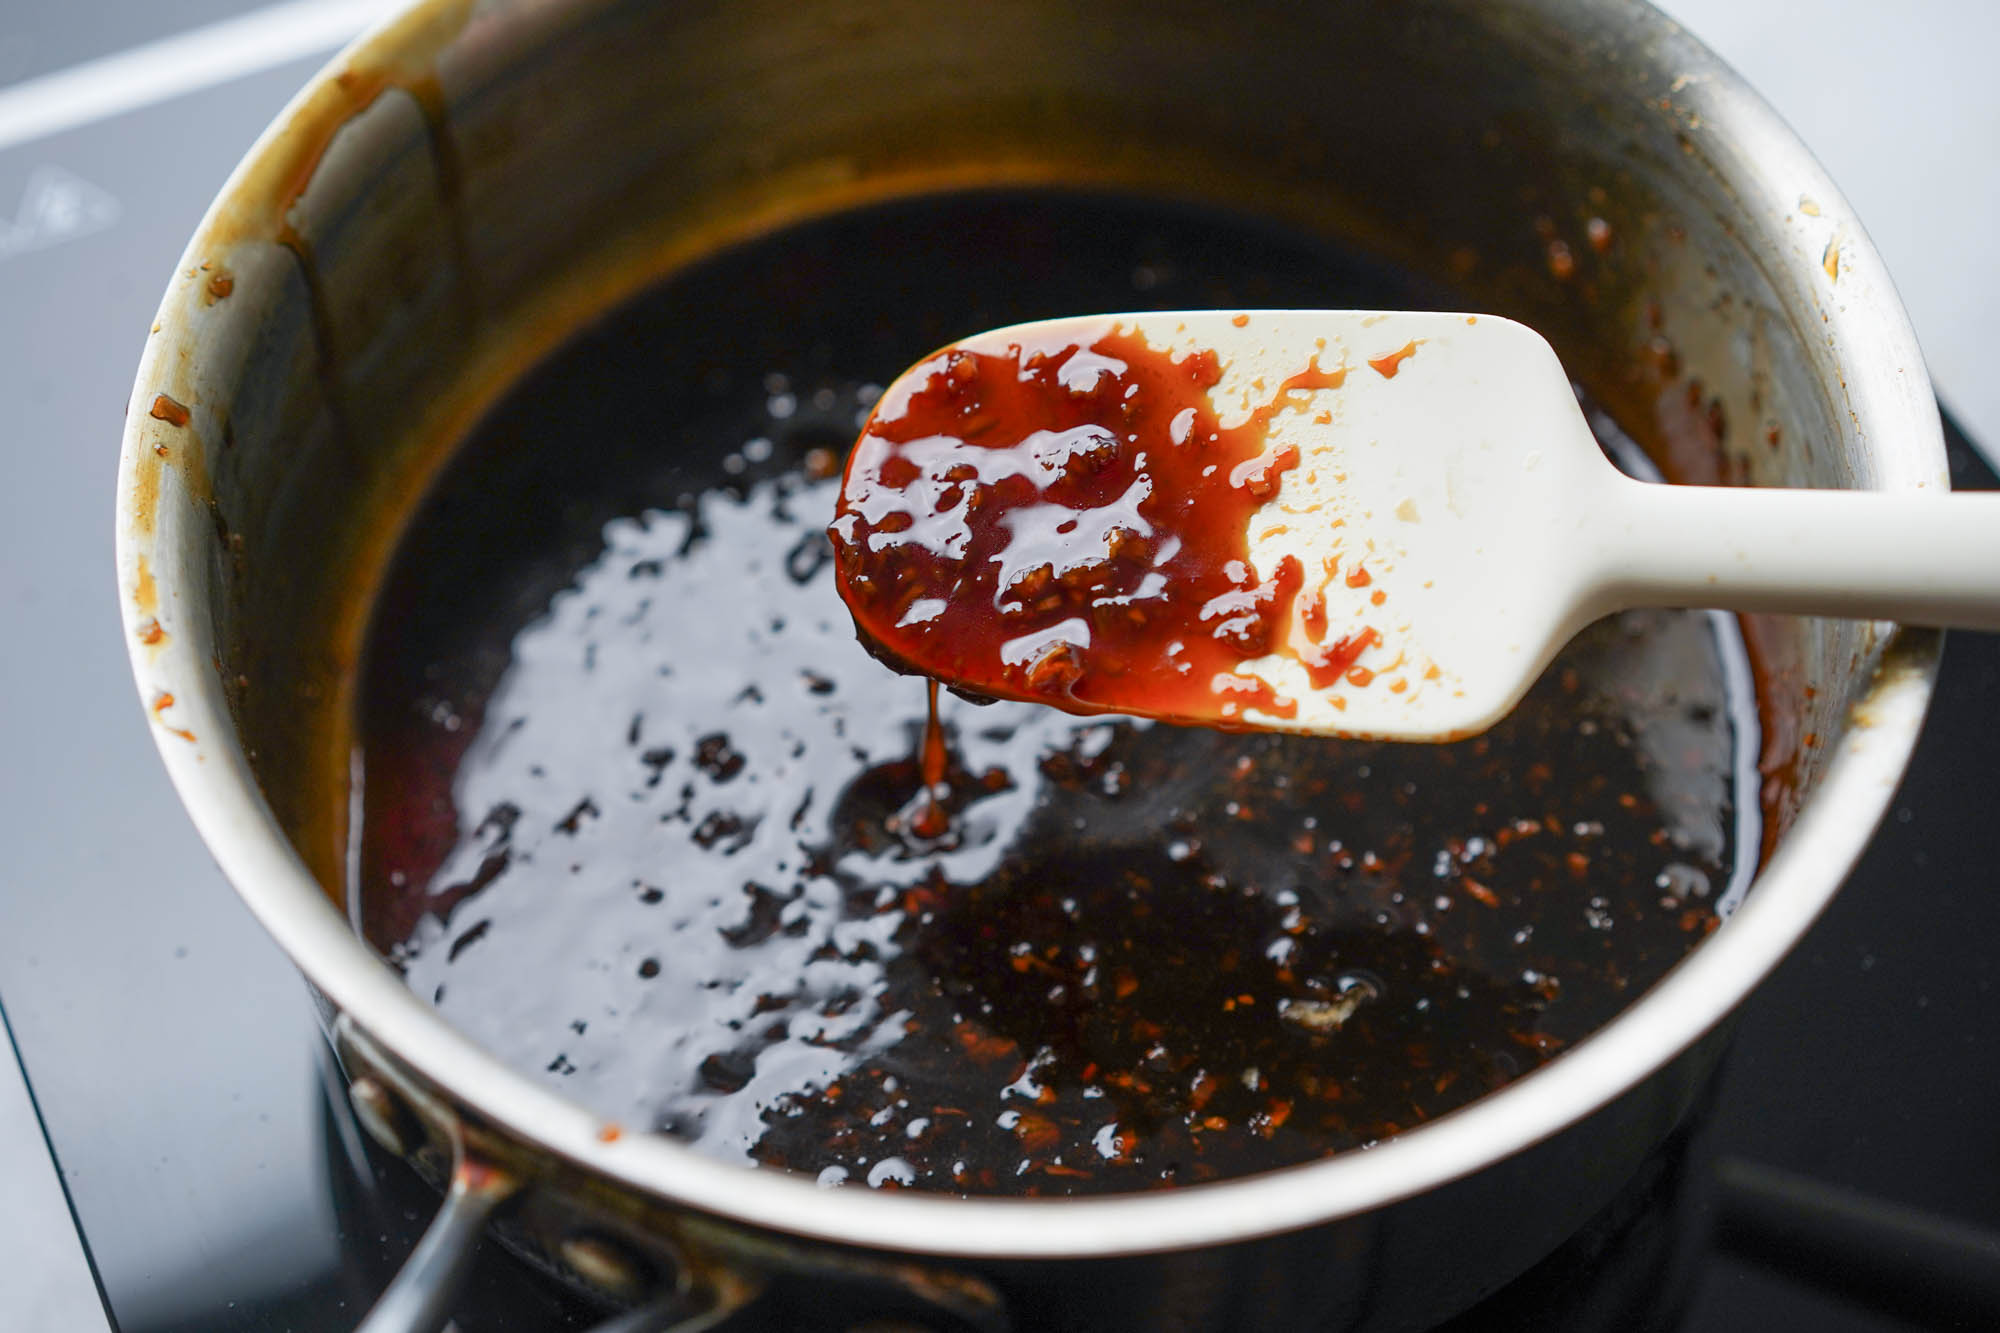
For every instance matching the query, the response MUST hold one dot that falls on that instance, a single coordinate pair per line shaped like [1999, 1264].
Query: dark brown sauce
[640, 814]
[1069, 525]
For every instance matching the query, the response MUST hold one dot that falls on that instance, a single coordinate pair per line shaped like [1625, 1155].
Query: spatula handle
[1914, 557]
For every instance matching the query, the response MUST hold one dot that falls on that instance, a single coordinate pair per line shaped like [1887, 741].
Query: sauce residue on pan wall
[642, 816]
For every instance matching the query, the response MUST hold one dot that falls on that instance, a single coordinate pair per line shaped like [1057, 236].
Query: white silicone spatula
[1453, 463]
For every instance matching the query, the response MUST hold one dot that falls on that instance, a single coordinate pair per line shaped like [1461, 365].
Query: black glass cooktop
[177, 1067]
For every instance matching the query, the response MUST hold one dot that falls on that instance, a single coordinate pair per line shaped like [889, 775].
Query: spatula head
[1356, 523]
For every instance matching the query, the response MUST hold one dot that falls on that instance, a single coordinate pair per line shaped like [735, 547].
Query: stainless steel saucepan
[472, 181]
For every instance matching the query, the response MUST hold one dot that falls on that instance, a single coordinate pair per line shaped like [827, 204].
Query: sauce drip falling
[1068, 524]
[932, 819]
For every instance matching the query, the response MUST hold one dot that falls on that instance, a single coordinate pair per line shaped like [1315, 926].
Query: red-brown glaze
[1389, 363]
[167, 410]
[934, 752]
[1312, 377]
[161, 703]
[1070, 526]
[1313, 616]
[932, 819]
[1337, 659]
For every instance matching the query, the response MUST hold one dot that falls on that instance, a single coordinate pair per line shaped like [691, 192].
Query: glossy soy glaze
[1067, 524]
[640, 813]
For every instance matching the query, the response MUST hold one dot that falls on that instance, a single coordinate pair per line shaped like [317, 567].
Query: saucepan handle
[420, 1297]
[398, 1114]
[717, 1269]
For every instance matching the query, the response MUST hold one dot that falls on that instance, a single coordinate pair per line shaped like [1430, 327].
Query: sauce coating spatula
[1421, 506]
